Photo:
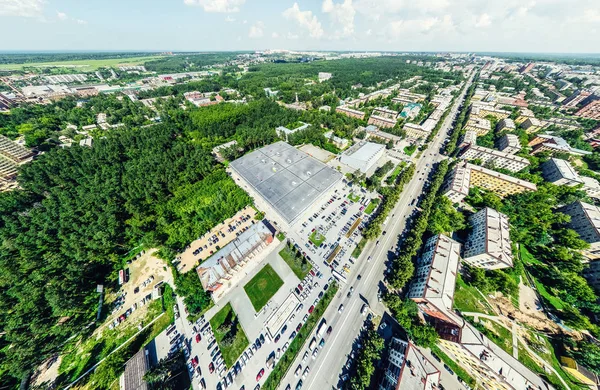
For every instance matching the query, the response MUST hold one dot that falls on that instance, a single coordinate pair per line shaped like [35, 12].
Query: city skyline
[543, 26]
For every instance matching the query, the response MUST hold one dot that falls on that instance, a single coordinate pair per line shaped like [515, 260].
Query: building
[509, 143]
[576, 98]
[527, 68]
[524, 114]
[545, 142]
[531, 125]
[482, 111]
[470, 138]
[66, 78]
[341, 143]
[592, 273]
[495, 158]
[590, 110]
[382, 117]
[405, 96]
[415, 131]
[284, 132]
[217, 269]
[350, 112]
[560, 172]
[324, 76]
[465, 176]
[411, 110]
[481, 126]
[505, 124]
[591, 187]
[363, 155]
[374, 132]
[13, 151]
[284, 180]
[135, 369]
[406, 368]
[585, 220]
[488, 245]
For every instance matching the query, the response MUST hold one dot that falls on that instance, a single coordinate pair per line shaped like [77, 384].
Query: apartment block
[350, 112]
[585, 220]
[592, 273]
[382, 117]
[415, 131]
[531, 125]
[505, 124]
[405, 96]
[488, 245]
[495, 158]
[13, 151]
[545, 142]
[470, 138]
[499, 183]
[509, 143]
[590, 110]
[457, 183]
[483, 111]
[407, 368]
[481, 126]
[561, 172]
[524, 114]
[576, 98]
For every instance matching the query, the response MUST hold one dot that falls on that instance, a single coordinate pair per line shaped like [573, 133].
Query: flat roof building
[545, 142]
[585, 220]
[469, 138]
[284, 179]
[506, 124]
[488, 245]
[415, 131]
[284, 132]
[135, 369]
[341, 143]
[479, 125]
[408, 369]
[382, 117]
[531, 125]
[494, 158]
[350, 112]
[524, 114]
[362, 155]
[483, 110]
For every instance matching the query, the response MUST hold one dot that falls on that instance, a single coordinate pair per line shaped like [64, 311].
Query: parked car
[198, 337]
[260, 374]
[211, 367]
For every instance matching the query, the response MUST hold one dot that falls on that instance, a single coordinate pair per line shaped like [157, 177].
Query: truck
[322, 328]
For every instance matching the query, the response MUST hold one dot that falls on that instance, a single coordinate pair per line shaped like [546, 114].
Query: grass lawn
[231, 352]
[359, 248]
[557, 303]
[409, 150]
[353, 197]
[527, 257]
[85, 65]
[468, 299]
[501, 336]
[316, 238]
[392, 177]
[372, 206]
[298, 264]
[263, 286]
[280, 236]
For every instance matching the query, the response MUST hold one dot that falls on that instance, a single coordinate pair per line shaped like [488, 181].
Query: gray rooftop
[287, 178]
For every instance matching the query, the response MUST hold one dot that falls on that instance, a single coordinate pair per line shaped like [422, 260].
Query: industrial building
[284, 180]
[363, 155]
[488, 245]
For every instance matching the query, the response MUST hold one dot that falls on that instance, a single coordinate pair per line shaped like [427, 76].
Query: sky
[549, 26]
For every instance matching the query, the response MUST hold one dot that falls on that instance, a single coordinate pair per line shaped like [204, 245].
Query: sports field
[263, 286]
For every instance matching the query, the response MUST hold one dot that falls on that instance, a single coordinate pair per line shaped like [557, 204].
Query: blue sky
[394, 25]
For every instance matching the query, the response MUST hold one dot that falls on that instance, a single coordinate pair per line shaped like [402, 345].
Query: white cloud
[61, 15]
[223, 6]
[483, 20]
[80, 21]
[399, 28]
[257, 30]
[274, 35]
[591, 15]
[229, 19]
[304, 19]
[22, 8]
[342, 15]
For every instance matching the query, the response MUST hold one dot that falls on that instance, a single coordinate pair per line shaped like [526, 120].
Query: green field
[353, 197]
[468, 299]
[85, 65]
[263, 286]
[296, 262]
[229, 334]
[316, 238]
[372, 206]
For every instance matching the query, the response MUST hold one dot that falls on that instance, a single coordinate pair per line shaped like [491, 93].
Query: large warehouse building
[284, 180]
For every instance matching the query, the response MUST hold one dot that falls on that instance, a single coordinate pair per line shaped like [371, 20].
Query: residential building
[382, 117]
[284, 132]
[590, 110]
[495, 158]
[405, 96]
[217, 269]
[406, 368]
[531, 125]
[592, 273]
[324, 76]
[350, 112]
[527, 68]
[482, 111]
[505, 124]
[585, 220]
[374, 132]
[561, 172]
[545, 142]
[411, 110]
[415, 131]
[135, 369]
[13, 151]
[524, 114]
[591, 187]
[341, 143]
[457, 183]
[362, 155]
[488, 245]
[481, 126]
[576, 98]
[509, 143]
[470, 138]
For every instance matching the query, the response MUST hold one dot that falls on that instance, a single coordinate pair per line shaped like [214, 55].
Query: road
[327, 366]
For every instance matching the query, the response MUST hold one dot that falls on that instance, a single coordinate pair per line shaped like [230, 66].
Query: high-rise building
[585, 220]
[509, 143]
[488, 245]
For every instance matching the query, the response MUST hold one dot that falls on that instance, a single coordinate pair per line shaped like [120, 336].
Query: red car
[300, 287]
[312, 272]
[298, 327]
[198, 338]
[310, 309]
[211, 367]
[260, 374]
[195, 361]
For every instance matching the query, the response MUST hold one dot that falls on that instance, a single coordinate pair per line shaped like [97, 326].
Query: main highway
[326, 368]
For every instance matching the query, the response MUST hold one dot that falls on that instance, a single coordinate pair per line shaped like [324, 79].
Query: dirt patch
[46, 373]
[535, 319]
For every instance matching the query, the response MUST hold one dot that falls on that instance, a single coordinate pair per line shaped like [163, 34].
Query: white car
[364, 308]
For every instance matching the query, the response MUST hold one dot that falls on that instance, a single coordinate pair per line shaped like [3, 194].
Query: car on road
[341, 308]
[258, 343]
[322, 343]
[436, 357]
[195, 361]
[315, 352]
[364, 308]
[283, 329]
[299, 327]
[306, 371]
[299, 385]
[262, 338]
[448, 369]
[368, 258]
[202, 383]
[298, 370]
[305, 356]
[329, 330]
[277, 338]
[377, 243]
[293, 335]
[211, 367]
[359, 277]
[198, 337]
[310, 309]
[260, 374]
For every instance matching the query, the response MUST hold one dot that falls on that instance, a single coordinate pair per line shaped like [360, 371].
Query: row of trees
[369, 354]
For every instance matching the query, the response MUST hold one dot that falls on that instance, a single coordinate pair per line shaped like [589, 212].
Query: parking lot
[216, 238]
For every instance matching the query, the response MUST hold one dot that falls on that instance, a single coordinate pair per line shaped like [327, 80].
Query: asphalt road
[326, 368]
